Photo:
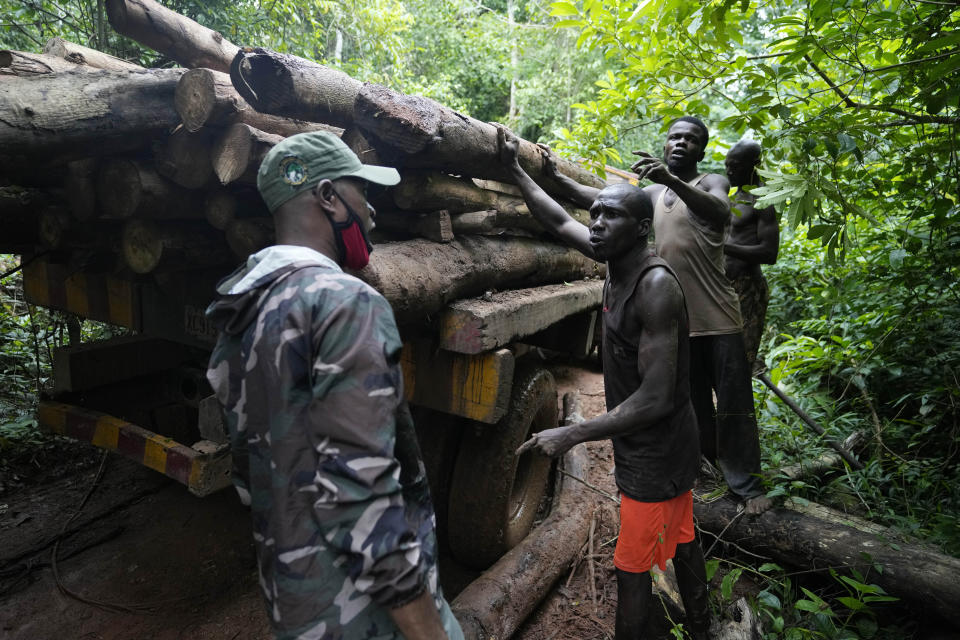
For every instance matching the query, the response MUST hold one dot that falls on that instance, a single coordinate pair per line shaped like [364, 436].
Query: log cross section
[478, 325]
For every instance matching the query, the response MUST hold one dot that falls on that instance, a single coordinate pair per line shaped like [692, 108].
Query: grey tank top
[695, 251]
[660, 461]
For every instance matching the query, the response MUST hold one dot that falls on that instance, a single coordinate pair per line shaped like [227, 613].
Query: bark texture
[238, 152]
[174, 35]
[420, 277]
[54, 118]
[922, 577]
[23, 63]
[81, 56]
[496, 604]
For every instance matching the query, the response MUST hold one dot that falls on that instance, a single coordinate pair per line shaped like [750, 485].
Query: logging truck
[131, 192]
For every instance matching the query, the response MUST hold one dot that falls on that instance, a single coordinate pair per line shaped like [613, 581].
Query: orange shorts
[651, 531]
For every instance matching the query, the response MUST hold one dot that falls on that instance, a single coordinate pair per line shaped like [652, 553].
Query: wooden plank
[478, 324]
[472, 386]
[96, 364]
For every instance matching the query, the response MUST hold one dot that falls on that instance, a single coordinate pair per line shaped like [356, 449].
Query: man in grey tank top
[691, 219]
[649, 418]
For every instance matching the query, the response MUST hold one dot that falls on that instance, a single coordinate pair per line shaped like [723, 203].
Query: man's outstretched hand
[549, 442]
[651, 168]
[508, 146]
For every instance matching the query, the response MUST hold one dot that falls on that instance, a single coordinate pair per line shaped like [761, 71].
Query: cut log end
[196, 98]
[142, 245]
[119, 188]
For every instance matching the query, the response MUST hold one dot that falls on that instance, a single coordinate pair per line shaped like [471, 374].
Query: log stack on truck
[130, 192]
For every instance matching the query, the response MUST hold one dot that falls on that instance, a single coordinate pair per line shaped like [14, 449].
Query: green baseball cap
[299, 162]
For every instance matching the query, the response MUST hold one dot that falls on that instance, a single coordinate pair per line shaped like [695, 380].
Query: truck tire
[494, 495]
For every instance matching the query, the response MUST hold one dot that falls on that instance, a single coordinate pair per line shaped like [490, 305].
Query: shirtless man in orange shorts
[646, 378]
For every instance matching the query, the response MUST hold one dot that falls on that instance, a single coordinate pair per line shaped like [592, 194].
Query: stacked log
[157, 167]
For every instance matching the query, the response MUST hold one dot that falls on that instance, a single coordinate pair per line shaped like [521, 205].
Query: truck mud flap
[204, 468]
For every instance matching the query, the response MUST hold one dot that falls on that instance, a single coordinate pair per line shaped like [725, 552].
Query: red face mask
[353, 246]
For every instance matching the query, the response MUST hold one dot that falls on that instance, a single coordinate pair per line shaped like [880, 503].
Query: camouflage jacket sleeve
[357, 388]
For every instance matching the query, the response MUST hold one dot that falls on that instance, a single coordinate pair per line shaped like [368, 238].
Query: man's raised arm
[580, 194]
[709, 202]
[546, 210]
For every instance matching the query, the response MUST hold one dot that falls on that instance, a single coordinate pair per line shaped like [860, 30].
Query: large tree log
[420, 277]
[286, 85]
[184, 158]
[238, 152]
[149, 246]
[496, 604]
[22, 63]
[246, 236]
[926, 579]
[430, 190]
[408, 131]
[222, 206]
[205, 97]
[175, 36]
[130, 188]
[434, 226]
[58, 117]
[80, 56]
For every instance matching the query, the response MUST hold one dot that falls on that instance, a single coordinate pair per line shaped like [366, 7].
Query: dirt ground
[147, 560]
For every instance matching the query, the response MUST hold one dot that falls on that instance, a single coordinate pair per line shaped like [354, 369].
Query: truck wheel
[494, 495]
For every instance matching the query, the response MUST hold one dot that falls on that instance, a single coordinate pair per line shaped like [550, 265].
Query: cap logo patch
[293, 171]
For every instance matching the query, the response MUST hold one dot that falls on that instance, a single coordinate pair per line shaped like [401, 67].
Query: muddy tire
[494, 495]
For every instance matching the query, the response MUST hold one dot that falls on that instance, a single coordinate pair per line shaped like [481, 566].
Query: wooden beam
[472, 386]
[434, 226]
[478, 324]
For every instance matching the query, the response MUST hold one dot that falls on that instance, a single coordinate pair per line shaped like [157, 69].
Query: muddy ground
[147, 560]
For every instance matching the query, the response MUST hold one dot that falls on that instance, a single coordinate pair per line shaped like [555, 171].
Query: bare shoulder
[653, 190]
[660, 293]
[712, 181]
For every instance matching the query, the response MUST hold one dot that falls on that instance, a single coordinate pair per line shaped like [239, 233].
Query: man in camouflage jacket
[307, 370]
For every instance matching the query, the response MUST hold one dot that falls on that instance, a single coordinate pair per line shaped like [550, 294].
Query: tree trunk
[238, 152]
[81, 185]
[433, 226]
[205, 97]
[149, 246]
[406, 130]
[921, 577]
[130, 189]
[497, 603]
[184, 158]
[430, 191]
[167, 32]
[286, 85]
[420, 277]
[78, 55]
[246, 236]
[55, 118]
[22, 63]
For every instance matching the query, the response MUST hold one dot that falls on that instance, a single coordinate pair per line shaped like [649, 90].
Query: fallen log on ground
[407, 131]
[420, 277]
[923, 578]
[820, 465]
[80, 56]
[205, 97]
[23, 63]
[174, 35]
[496, 604]
[58, 117]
